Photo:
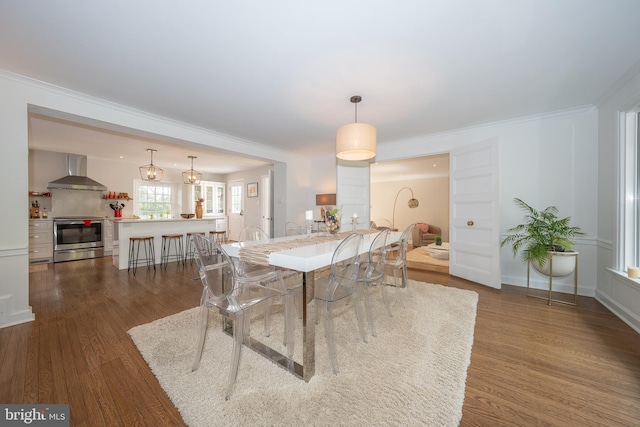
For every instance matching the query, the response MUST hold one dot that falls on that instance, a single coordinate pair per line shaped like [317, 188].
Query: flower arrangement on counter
[332, 220]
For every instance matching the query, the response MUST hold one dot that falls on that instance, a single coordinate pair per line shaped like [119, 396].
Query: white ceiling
[281, 73]
[411, 169]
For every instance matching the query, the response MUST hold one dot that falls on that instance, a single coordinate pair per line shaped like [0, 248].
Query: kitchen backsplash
[78, 203]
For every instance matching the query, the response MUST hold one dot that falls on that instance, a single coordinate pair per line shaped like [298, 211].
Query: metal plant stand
[549, 298]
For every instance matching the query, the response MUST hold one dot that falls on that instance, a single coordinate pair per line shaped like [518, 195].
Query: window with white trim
[628, 253]
[157, 199]
[236, 199]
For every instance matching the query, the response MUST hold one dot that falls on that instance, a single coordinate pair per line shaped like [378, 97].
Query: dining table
[306, 254]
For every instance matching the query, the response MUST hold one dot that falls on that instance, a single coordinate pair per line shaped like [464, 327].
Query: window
[629, 184]
[154, 199]
[634, 137]
[236, 199]
[213, 195]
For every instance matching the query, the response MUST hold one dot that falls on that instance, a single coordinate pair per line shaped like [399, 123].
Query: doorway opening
[427, 178]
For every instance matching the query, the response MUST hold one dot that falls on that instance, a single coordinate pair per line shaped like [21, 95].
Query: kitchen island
[124, 228]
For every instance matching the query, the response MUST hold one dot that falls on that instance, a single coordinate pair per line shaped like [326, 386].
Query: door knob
[470, 223]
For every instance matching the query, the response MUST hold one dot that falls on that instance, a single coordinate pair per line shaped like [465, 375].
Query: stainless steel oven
[77, 238]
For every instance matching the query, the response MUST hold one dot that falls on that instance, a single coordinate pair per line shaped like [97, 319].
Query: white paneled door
[353, 193]
[474, 214]
[266, 204]
[236, 209]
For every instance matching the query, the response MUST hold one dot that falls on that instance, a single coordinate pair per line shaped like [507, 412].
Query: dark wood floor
[531, 364]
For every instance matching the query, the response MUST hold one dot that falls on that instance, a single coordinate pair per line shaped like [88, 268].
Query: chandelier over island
[191, 176]
[150, 172]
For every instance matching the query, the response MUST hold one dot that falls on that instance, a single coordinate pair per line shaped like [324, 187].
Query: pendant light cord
[355, 99]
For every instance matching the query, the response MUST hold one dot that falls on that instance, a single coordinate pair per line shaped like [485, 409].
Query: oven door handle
[78, 222]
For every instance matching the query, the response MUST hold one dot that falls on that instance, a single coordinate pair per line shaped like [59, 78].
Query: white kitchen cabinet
[213, 195]
[40, 240]
[108, 238]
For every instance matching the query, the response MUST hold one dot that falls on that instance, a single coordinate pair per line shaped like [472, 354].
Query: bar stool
[220, 237]
[166, 254]
[190, 251]
[134, 252]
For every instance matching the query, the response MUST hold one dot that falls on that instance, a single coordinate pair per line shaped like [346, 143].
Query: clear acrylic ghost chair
[251, 234]
[293, 229]
[400, 261]
[372, 272]
[223, 292]
[340, 284]
[382, 224]
[290, 278]
[248, 271]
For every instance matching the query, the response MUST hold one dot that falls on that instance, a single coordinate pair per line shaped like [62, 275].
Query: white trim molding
[626, 315]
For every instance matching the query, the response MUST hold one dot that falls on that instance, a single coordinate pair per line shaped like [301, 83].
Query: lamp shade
[356, 141]
[325, 199]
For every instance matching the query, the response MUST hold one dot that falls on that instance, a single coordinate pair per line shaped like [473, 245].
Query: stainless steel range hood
[77, 178]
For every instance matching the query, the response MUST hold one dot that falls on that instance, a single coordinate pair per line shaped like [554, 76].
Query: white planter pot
[564, 263]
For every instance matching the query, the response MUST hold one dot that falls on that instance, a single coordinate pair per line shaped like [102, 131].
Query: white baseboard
[625, 315]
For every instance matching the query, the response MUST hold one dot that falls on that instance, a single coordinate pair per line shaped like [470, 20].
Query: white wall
[617, 292]
[320, 179]
[14, 258]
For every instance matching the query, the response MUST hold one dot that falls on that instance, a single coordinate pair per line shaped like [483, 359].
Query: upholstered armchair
[425, 234]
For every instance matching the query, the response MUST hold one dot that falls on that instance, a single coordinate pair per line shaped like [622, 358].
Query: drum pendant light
[150, 172]
[191, 176]
[356, 141]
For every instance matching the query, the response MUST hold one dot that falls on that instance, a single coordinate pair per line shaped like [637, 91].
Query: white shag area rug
[412, 373]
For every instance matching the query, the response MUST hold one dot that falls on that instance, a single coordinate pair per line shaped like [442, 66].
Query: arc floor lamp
[412, 203]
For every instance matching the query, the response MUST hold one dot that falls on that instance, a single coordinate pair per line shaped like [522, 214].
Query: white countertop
[158, 220]
[125, 228]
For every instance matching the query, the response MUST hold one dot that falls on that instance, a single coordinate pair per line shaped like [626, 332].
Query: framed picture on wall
[252, 189]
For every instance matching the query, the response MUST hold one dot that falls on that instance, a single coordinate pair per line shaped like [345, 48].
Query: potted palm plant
[543, 235]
